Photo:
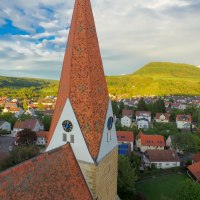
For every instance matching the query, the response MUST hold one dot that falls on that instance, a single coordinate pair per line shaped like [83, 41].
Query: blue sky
[131, 33]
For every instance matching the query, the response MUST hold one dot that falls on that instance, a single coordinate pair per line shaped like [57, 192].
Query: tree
[24, 117]
[18, 155]
[135, 162]
[126, 179]
[116, 109]
[185, 142]
[40, 106]
[26, 137]
[139, 196]
[189, 190]
[142, 105]
[47, 122]
[9, 117]
[121, 106]
[159, 106]
[25, 106]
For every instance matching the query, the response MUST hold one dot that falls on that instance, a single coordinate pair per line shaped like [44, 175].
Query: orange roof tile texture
[53, 175]
[82, 79]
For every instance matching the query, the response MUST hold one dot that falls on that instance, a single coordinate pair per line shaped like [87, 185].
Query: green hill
[158, 78]
[27, 87]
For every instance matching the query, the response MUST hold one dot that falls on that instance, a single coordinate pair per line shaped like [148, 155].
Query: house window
[64, 137]
[71, 138]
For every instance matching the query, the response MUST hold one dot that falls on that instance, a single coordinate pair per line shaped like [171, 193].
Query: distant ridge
[156, 78]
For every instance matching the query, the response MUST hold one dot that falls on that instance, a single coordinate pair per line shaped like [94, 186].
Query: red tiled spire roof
[82, 79]
[53, 175]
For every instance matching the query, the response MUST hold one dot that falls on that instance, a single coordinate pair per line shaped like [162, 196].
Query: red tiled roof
[184, 118]
[151, 140]
[33, 106]
[167, 115]
[162, 156]
[195, 170]
[43, 134]
[13, 109]
[127, 113]
[83, 80]
[53, 175]
[141, 113]
[125, 136]
[196, 157]
[27, 124]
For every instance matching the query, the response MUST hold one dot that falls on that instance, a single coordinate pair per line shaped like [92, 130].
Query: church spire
[82, 79]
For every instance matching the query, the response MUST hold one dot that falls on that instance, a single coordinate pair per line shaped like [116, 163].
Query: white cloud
[131, 33]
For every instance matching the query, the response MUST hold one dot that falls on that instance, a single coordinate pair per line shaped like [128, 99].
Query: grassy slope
[158, 79]
[162, 186]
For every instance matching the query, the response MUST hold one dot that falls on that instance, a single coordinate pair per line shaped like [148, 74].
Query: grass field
[166, 186]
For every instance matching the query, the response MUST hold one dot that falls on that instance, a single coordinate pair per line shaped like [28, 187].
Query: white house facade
[126, 121]
[161, 159]
[143, 123]
[162, 117]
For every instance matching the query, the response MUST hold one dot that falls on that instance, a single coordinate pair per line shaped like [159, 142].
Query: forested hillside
[158, 78]
[27, 87]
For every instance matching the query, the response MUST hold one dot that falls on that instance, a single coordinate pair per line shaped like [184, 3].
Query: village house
[125, 137]
[5, 126]
[126, 119]
[161, 159]
[194, 171]
[41, 137]
[127, 113]
[183, 121]
[143, 119]
[3, 101]
[178, 106]
[146, 142]
[30, 112]
[169, 141]
[12, 105]
[33, 106]
[15, 110]
[32, 124]
[162, 117]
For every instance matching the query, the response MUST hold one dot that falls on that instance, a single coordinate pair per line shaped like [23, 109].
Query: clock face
[110, 123]
[67, 126]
